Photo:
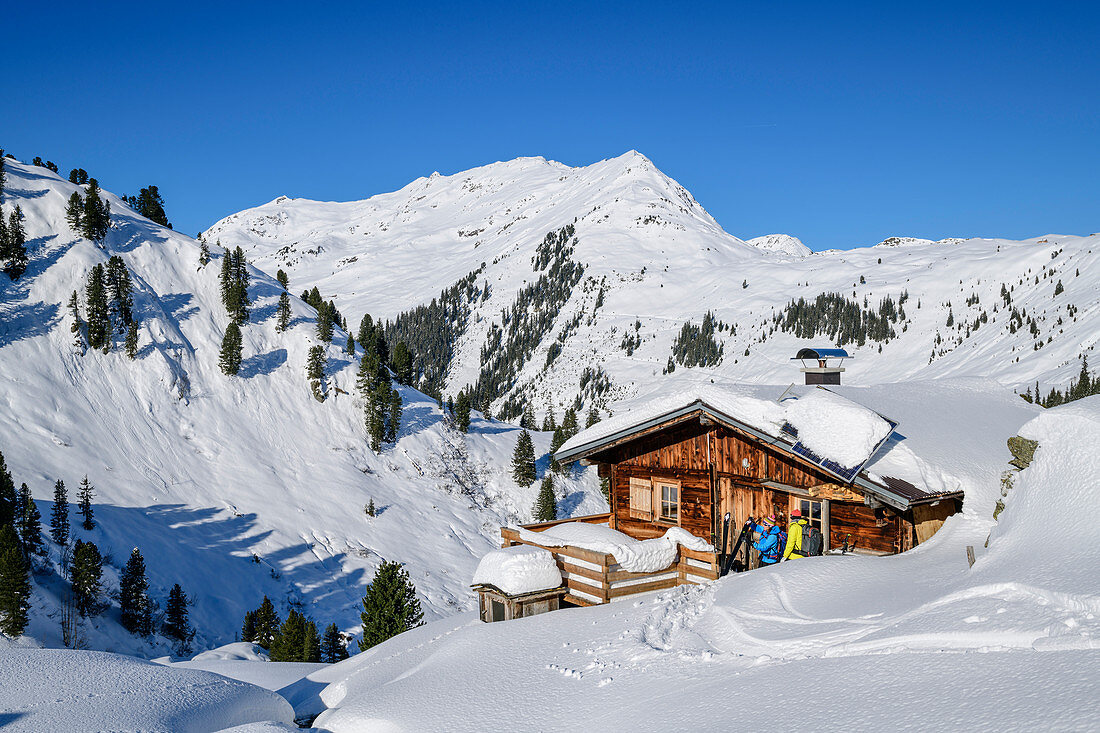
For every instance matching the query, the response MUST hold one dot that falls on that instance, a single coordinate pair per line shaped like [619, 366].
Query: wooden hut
[689, 464]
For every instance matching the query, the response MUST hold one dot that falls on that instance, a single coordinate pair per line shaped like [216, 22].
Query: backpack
[777, 551]
[812, 542]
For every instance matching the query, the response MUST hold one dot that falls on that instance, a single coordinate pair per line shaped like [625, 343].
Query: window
[811, 512]
[670, 501]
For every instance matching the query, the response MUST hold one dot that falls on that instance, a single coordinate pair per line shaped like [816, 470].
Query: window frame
[659, 501]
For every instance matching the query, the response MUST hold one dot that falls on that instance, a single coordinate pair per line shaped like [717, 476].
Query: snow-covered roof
[844, 436]
[517, 570]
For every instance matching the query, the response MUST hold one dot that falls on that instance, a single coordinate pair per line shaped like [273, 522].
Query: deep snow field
[205, 472]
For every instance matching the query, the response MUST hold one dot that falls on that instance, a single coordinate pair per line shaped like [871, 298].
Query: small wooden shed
[496, 605]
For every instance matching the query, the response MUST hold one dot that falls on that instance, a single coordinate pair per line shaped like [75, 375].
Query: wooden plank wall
[876, 534]
[695, 504]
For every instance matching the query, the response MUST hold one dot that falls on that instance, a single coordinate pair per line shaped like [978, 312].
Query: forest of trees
[149, 204]
[1084, 385]
[696, 345]
[843, 320]
[526, 322]
[431, 331]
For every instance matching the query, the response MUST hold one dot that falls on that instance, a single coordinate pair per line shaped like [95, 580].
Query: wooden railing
[593, 577]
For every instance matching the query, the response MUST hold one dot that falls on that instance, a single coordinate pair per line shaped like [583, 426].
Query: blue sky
[839, 123]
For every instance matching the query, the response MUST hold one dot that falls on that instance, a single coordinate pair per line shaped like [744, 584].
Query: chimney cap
[829, 353]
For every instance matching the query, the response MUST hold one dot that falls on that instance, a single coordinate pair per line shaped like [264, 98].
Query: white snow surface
[781, 244]
[233, 487]
[654, 259]
[836, 428]
[66, 690]
[635, 556]
[241, 651]
[912, 642]
[518, 569]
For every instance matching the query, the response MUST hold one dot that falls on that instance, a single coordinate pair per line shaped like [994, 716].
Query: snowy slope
[203, 471]
[660, 260]
[917, 641]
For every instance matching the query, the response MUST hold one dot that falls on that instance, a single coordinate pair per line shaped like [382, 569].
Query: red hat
[796, 514]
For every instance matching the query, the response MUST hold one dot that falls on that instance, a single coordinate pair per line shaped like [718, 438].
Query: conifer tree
[462, 412]
[132, 340]
[230, 357]
[548, 423]
[30, 523]
[290, 640]
[9, 499]
[176, 623]
[402, 364]
[282, 322]
[77, 326]
[546, 505]
[225, 280]
[333, 646]
[84, 497]
[78, 176]
[59, 515]
[315, 372]
[240, 301]
[349, 347]
[569, 424]
[120, 288]
[393, 419]
[86, 575]
[324, 323]
[523, 460]
[248, 630]
[15, 584]
[96, 219]
[527, 421]
[74, 213]
[150, 204]
[204, 254]
[99, 321]
[390, 605]
[311, 643]
[266, 623]
[15, 250]
[593, 418]
[133, 589]
[283, 279]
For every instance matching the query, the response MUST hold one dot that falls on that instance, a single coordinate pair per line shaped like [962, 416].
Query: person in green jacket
[794, 536]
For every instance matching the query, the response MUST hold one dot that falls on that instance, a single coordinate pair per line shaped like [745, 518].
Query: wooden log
[588, 518]
[629, 590]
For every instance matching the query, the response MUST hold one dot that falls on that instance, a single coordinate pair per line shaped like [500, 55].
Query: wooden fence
[596, 577]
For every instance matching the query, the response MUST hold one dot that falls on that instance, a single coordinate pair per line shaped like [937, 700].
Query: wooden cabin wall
[695, 502]
[869, 532]
[737, 456]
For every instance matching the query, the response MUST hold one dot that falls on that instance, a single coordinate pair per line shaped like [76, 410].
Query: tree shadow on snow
[568, 505]
[262, 364]
[24, 193]
[175, 305]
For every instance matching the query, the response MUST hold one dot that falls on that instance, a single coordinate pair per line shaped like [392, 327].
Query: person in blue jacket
[770, 546]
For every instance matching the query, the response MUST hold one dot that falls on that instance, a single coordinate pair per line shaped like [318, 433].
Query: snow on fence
[597, 577]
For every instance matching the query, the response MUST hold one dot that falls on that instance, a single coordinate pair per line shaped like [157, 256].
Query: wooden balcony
[592, 578]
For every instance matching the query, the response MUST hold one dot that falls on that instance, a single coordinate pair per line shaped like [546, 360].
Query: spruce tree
[569, 424]
[96, 218]
[523, 460]
[74, 213]
[546, 506]
[120, 288]
[84, 498]
[548, 423]
[527, 421]
[230, 357]
[402, 364]
[77, 326]
[462, 412]
[59, 515]
[15, 584]
[593, 418]
[176, 623]
[99, 321]
[86, 574]
[311, 644]
[133, 598]
[283, 279]
[288, 643]
[248, 629]
[30, 523]
[132, 340]
[241, 279]
[15, 250]
[390, 605]
[9, 498]
[282, 322]
[204, 254]
[225, 281]
[324, 323]
[333, 647]
[393, 419]
[315, 372]
[266, 623]
[150, 204]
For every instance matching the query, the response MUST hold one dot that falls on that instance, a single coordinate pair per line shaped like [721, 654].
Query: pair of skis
[742, 537]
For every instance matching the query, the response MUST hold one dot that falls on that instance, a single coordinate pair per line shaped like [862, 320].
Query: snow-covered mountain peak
[783, 244]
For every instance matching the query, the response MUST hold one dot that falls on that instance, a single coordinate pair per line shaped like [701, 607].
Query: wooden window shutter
[641, 499]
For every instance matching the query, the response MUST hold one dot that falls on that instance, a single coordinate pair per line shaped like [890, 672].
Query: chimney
[822, 366]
